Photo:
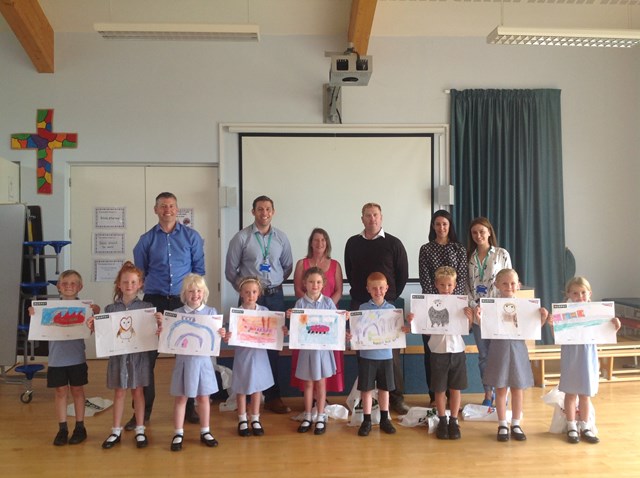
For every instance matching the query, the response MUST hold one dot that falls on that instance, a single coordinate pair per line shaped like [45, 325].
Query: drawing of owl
[126, 331]
[438, 314]
[509, 313]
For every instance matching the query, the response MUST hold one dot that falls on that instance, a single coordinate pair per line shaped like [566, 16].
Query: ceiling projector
[350, 69]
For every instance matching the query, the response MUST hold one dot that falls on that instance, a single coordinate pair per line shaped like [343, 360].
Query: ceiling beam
[30, 25]
[362, 12]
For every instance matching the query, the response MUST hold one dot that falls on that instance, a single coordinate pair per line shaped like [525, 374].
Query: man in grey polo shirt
[263, 251]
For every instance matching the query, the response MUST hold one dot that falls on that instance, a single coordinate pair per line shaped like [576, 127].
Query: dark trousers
[427, 365]
[274, 302]
[397, 395]
[161, 303]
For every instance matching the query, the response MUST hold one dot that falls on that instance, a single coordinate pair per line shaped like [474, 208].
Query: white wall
[150, 102]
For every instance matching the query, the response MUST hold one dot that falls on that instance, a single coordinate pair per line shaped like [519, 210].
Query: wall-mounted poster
[106, 270]
[317, 329]
[190, 334]
[60, 319]
[126, 332]
[584, 323]
[185, 216]
[377, 329]
[259, 329]
[510, 319]
[108, 243]
[439, 314]
[110, 217]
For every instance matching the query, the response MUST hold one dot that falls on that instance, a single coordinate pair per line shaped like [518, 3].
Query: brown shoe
[277, 406]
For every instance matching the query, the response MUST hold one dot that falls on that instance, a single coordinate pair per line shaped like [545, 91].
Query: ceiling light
[554, 37]
[177, 31]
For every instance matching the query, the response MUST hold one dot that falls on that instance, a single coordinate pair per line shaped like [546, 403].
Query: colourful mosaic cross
[45, 141]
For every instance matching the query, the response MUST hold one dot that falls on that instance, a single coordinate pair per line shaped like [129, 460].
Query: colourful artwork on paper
[584, 323]
[317, 329]
[60, 319]
[190, 334]
[517, 319]
[258, 329]
[439, 314]
[126, 332]
[377, 329]
[44, 141]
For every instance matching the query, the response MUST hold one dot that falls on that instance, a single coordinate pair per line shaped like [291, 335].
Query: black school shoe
[79, 435]
[364, 429]
[387, 427]
[442, 432]
[62, 437]
[454, 430]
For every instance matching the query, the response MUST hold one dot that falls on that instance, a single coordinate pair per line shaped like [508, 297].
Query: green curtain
[506, 164]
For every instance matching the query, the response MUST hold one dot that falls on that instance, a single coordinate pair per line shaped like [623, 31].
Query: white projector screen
[323, 180]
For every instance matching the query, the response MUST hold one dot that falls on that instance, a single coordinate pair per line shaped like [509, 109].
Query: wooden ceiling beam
[360, 23]
[31, 26]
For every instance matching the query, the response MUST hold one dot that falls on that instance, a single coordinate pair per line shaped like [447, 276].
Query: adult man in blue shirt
[263, 251]
[166, 253]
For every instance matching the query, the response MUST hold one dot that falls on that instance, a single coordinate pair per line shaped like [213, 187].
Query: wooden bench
[610, 371]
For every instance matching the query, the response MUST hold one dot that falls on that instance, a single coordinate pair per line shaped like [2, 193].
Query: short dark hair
[166, 195]
[261, 199]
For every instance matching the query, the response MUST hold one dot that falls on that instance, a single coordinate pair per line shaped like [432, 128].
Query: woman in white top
[486, 259]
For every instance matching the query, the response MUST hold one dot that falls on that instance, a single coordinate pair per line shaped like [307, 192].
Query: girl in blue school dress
[251, 370]
[193, 375]
[314, 366]
[127, 371]
[579, 372]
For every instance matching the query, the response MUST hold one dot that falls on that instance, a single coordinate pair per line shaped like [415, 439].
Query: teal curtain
[506, 164]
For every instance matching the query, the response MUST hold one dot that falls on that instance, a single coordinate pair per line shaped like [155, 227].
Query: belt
[162, 296]
[273, 290]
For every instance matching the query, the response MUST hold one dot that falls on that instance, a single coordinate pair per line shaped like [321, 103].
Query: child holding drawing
[508, 363]
[375, 367]
[579, 372]
[193, 375]
[251, 370]
[67, 370]
[448, 364]
[314, 366]
[127, 371]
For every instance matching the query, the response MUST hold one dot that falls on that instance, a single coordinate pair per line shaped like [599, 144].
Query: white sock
[307, 416]
[139, 431]
[572, 425]
[255, 418]
[243, 418]
[502, 431]
[179, 433]
[115, 431]
[204, 430]
[515, 422]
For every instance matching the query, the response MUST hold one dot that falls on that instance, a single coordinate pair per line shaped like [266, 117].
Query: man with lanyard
[263, 251]
[373, 250]
[166, 253]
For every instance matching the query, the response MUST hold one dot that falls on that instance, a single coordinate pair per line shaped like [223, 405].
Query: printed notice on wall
[110, 217]
[106, 271]
[108, 243]
[185, 216]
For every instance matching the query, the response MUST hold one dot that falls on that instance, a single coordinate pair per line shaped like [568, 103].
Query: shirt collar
[380, 234]
[189, 310]
[175, 229]
[255, 229]
[309, 299]
[492, 249]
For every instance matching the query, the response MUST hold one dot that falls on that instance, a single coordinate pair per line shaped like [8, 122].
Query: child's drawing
[584, 323]
[190, 334]
[260, 329]
[439, 314]
[125, 332]
[317, 329]
[60, 319]
[509, 314]
[504, 318]
[377, 329]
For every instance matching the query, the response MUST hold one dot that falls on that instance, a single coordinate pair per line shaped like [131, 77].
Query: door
[111, 206]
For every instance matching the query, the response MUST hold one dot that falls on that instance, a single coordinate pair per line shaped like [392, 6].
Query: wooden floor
[28, 430]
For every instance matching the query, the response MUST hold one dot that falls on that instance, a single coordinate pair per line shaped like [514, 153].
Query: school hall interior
[149, 105]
